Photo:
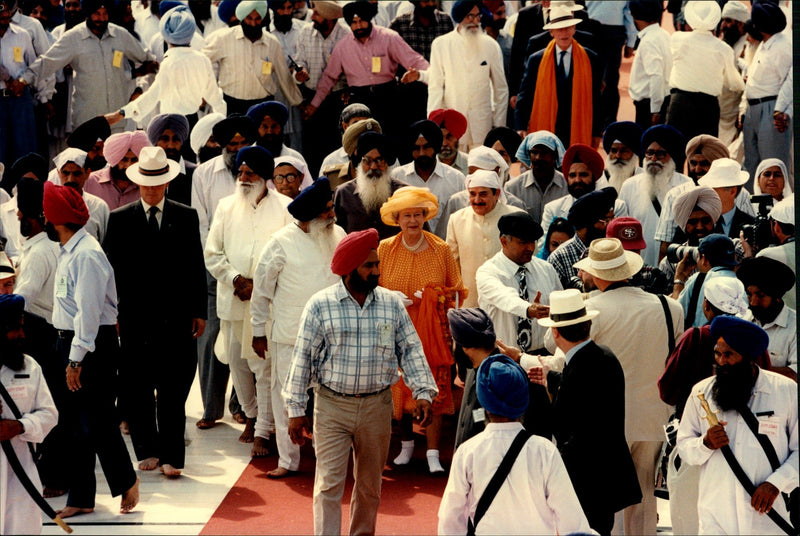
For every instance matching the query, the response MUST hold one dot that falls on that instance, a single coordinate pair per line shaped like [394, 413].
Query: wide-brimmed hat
[560, 16]
[609, 261]
[409, 197]
[724, 173]
[566, 308]
[153, 168]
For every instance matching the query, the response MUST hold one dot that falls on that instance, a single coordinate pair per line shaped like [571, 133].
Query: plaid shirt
[565, 257]
[419, 37]
[355, 350]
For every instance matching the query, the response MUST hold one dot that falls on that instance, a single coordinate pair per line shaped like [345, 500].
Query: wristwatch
[75, 364]
[121, 112]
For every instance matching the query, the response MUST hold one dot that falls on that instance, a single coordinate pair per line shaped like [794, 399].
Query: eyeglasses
[660, 154]
[377, 161]
[289, 178]
[474, 16]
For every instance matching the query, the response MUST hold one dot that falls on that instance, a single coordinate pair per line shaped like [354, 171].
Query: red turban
[63, 204]
[353, 250]
[453, 120]
[579, 152]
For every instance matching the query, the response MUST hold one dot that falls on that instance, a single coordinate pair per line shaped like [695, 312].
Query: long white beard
[658, 178]
[373, 191]
[620, 170]
[250, 193]
[322, 233]
[472, 40]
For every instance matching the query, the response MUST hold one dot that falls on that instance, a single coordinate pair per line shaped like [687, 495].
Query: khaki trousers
[642, 518]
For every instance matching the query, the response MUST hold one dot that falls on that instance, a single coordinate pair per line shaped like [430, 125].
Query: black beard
[207, 153]
[97, 163]
[767, 314]
[272, 143]
[364, 286]
[25, 227]
[498, 24]
[173, 154]
[52, 234]
[425, 162]
[733, 385]
[579, 189]
[363, 32]
[99, 27]
[11, 354]
[426, 12]
[283, 23]
[253, 33]
[73, 18]
[321, 27]
[594, 234]
[731, 35]
[118, 174]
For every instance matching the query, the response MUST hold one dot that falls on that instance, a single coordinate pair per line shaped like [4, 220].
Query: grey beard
[230, 160]
[619, 171]
[447, 153]
[373, 192]
[657, 182]
[322, 233]
[250, 193]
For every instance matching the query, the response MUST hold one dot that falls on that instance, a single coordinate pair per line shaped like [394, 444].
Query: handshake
[16, 87]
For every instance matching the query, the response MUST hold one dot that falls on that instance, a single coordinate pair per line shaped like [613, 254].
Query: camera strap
[690, 313]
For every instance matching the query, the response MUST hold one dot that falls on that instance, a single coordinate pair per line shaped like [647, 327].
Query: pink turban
[118, 145]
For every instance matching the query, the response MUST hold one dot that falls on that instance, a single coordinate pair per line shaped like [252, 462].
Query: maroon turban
[353, 250]
[585, 154]
[453, 120]
[63, 204]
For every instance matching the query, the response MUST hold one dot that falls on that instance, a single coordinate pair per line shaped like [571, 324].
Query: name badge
[384, 334]
[376, 64]
[769, 427]
[117, 61]
[478, 415]
[61, 287]
[17, 54]
[266, 68]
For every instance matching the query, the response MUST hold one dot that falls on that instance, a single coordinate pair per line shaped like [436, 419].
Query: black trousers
[609, 41]
[321, 134]
[93, 423]
[158, 359]
[693, 113]
[643, 114]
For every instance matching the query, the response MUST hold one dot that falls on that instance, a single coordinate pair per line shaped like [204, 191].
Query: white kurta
[211, 182]
[472, 83]
[724, 506]
[18, 513]
[536, 498]
[474, 239]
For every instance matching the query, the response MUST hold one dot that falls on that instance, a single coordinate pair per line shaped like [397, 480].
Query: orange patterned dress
[435, 272]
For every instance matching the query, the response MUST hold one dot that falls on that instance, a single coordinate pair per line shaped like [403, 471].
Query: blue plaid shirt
[355, 350]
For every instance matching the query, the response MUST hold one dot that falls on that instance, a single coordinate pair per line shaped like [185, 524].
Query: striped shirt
[355, 350]
[314, 52]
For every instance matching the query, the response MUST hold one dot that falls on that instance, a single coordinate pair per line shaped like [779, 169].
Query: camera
[759, 234]
[676, 252]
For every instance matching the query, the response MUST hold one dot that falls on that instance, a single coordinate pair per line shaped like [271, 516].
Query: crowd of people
[355, 210]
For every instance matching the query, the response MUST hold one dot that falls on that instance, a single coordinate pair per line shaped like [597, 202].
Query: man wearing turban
[353, 407]
[722, 506]
[111, 184]
[351, 115]
[85, 313]
[242, 225]
[453, 125]
[467, 74]
[270, 119]
[72, 171]
[293, 266]
[171, 132]
[622, 144]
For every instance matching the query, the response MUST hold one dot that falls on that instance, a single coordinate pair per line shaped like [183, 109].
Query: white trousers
[288, 452]
[683, 485]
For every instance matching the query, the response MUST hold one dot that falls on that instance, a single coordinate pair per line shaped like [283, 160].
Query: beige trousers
[684, 493]
[642, 518]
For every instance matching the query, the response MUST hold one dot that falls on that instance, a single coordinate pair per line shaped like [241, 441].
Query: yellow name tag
[266, 68]
[17, 54]
[376, 64]
[117, 61]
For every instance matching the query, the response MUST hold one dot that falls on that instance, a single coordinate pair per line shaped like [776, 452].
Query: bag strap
[9, 402]
[695, 297]
[668, 316]
[499, 477]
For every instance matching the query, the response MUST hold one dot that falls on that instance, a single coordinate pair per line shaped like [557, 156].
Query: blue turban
[471, 327]
[258, 159]
[166, 5]
[461, 9]
[225, 130]
[627, 133]
[668, 137]
[11, 308]
[591, 207]
[274, 109]
[540, 137]
[312, 200]
[502, 387]
[178, 26]
[768, 17]
[174, 122]
[247, 7]
[746, 338]
[227, 9]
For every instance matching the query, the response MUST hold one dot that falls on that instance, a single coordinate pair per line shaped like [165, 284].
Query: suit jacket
[180, 188]
[589, 425]
[161, 280]
[527, 92]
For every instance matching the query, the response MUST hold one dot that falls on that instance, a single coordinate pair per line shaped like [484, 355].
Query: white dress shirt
[443, 182]
[211, 182]
[724, 506]
[36, 272]
[559, 208]
[770, 71]
[98, 216]
[782, 338]
[702, 63]
[537, 497]
[159, 212]
[498, 295]
[651, 67]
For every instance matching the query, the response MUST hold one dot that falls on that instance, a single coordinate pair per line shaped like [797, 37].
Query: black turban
[258, 159]
[361, 8]
[86, 135]
[507, 137]
[520, 225]
[591, 207]
[646, 10]
[274, 109]
[768, 17]
[31, 162]
[225, 130]
[627, 132]
[428, 130]
[370, 140]
[772, 277]
[29, 197]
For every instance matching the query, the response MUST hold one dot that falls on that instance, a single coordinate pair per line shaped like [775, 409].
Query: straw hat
[153, 168]
[409, 197]
[566, 308]
[609, 261]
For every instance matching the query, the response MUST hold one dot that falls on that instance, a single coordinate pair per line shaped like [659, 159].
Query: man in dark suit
[589, 413]
[154, 247]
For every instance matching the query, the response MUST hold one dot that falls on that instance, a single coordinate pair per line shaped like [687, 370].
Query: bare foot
[130, 498]
[49, 493]
[148, 464]
[260, 448]
[168, 470]
[239, 417]
[123, 427]
[280, 472]
[71, 511]
[249, 431]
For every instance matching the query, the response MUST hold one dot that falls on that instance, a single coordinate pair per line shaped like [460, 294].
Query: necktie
[152, 222]
[523, 323]
[561, 64]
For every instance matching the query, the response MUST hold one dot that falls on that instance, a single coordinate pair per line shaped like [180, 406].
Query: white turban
[486, 158]
[736, 11]
[297, 164]
[202, 131]
[726, 294]
[702, 15]
[76, 156]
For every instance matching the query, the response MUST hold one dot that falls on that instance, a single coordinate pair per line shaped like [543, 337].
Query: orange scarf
[545, 101]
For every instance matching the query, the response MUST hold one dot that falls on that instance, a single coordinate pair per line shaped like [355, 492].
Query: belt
[346, 395]
[5, 92]
[695, 93]
[373, 90]
[65, 333]
[753, 102]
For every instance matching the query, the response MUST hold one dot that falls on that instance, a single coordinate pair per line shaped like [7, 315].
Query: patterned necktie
[523, 322]
[152, 222]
